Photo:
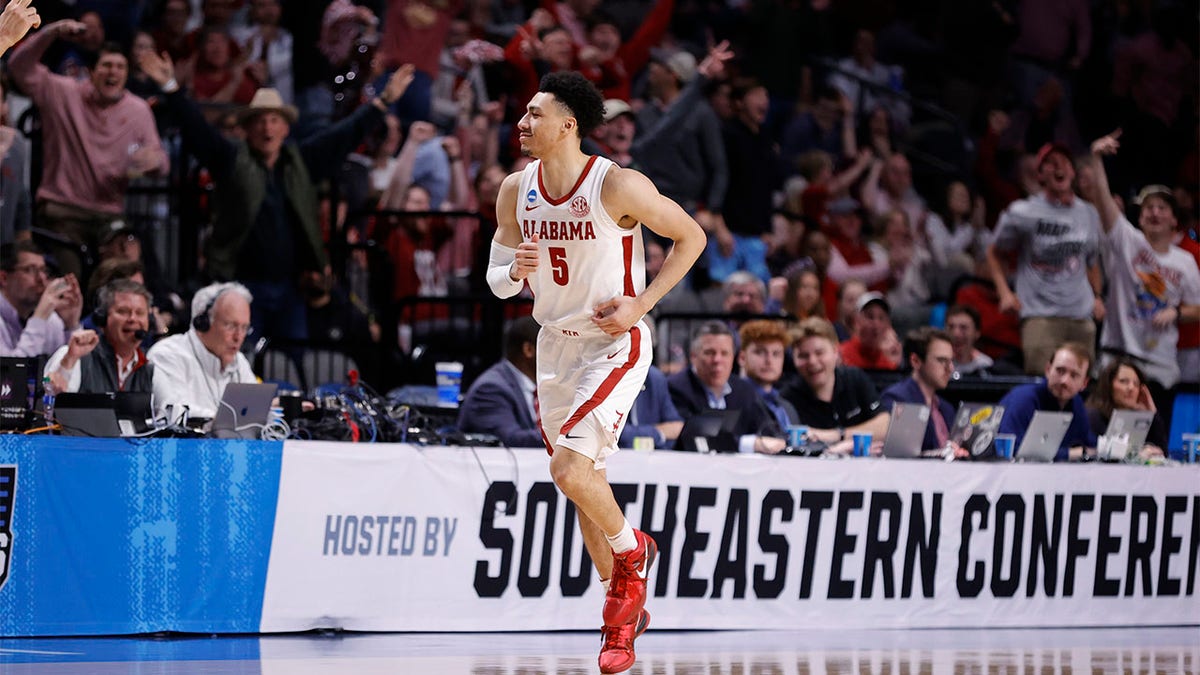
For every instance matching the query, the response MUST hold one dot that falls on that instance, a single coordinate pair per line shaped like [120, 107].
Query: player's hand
[17, 20]
[615, 317]
[526, 259]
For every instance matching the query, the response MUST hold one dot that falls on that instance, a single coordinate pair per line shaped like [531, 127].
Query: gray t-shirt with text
[1055, 244]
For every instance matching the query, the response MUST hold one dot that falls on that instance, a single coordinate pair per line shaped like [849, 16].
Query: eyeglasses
[233, 327]
[33, 270]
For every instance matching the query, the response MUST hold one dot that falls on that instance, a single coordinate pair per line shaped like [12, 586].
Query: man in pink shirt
[97, 135]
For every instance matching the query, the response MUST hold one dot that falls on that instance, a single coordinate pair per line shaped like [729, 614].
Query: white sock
[624, 540]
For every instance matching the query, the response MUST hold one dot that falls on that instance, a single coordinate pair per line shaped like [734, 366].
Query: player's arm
[511, 259]
[629, 193]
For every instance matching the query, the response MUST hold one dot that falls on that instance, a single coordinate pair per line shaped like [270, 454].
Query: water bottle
[48, 400]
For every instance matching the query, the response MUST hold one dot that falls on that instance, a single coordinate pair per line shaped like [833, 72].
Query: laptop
[243, 410]
[1044, 436]
[1136, 423]
[975, 426]
[709, 430]
[906, 431]
[87, 414]
[16, 379]
[103, 415]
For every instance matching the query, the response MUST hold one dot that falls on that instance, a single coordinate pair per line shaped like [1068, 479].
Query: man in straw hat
[266, 232]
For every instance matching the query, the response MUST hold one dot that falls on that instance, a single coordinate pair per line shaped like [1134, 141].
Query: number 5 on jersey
[558, 265]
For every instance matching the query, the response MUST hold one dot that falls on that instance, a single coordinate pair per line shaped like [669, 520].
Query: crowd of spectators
[1022, 174]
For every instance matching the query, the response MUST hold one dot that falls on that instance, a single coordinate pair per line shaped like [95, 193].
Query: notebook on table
[1044, 436]
[243, 410]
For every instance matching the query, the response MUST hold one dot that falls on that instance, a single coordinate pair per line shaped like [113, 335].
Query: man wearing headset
[192, 369]
[110, 360]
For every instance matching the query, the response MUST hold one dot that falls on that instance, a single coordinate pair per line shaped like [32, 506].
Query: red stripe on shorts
[609, 383]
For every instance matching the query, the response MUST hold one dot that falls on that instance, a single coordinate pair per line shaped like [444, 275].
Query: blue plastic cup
[449, 383]
[1191, 447]
[795, 435]
[1004, 446]
[862, 445]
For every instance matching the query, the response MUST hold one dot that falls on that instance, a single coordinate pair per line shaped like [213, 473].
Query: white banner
[401, 538]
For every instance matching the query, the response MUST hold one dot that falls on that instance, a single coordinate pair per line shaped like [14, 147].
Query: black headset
[203, 322]
[100, 314]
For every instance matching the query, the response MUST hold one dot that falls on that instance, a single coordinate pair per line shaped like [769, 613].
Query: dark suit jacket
[495, 404]
[653, 406]
[690, 398]
[908, 391]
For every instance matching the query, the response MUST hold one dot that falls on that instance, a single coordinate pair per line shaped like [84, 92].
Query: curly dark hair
[581, 98]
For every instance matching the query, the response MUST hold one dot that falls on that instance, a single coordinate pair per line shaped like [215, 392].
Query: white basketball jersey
[586, 258]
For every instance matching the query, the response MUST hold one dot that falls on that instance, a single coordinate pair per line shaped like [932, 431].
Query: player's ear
[569, 124]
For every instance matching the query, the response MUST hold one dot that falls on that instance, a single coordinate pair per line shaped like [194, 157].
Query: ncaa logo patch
[8, 493]
[531, 197]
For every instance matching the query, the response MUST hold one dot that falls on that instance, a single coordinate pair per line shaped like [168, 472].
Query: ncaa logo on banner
[8, 493]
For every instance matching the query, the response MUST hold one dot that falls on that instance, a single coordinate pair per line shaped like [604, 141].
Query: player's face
[938, 365]
[544, 125]
[1066, 375]
[762, 361]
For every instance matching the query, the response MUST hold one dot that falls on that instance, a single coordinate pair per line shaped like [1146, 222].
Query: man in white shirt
[192, 369]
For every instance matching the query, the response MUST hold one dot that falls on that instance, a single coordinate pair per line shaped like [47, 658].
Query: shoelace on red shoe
[619, 637]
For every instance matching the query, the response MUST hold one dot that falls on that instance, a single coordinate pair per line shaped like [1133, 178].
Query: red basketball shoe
[616, 647]
[627, 589]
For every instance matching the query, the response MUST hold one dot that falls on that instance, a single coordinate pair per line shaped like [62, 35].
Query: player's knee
[567, 474]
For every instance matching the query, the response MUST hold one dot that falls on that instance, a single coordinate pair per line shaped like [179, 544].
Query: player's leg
[597, 546]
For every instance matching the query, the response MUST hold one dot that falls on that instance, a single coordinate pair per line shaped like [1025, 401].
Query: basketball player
[570, 225]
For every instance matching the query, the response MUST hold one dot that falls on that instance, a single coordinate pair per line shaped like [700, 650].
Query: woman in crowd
[1121, 387]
